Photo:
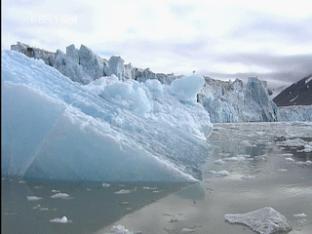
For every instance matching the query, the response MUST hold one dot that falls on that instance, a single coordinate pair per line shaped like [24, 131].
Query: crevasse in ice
[108, 130]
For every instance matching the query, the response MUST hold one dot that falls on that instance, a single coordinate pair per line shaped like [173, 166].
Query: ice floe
[264, 221]
[120, 229]
[220, 173]
[105, 185]
[122, 191]
[300, 215]
[33, 198]
[219, 161]
[60, 195]
[62, 220]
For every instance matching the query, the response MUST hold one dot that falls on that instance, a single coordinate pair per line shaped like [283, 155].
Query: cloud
[269, 38]
[268, 27]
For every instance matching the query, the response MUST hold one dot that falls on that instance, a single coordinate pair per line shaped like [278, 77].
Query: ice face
[108, 130]
[296, 113]
[238, 102]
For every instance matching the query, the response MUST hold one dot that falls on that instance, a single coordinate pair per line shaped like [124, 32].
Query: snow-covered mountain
[299, 93]
[109, 129]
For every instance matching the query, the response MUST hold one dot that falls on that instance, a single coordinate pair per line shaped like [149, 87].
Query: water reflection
[29, 207]
[259, 175]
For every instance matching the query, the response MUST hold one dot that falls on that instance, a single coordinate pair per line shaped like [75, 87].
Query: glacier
[106, 129]
[228, 101]
[296, 113]
[83, 65]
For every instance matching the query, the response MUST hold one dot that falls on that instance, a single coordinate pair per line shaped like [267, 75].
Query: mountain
[299, 93]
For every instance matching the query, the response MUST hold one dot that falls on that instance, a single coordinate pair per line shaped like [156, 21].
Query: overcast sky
[224, 39]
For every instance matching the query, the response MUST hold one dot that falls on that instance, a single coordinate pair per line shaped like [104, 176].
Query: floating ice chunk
[62, 220]
[122, 191]
[282, 170]
[219, 161]
[290, 159]
[248, 177]
[238, 158]
[120, 229]
[307, 163]
[300, 215]
[307, 148]
[33, 198]
[287, 154]
[60, 195]
[149, 188]
[188, 230]
[220, 173]
[106, 185]
[296, 142]
[264, 221]
[55, 191]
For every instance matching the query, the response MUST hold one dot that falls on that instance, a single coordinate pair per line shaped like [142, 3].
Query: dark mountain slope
[299, 93]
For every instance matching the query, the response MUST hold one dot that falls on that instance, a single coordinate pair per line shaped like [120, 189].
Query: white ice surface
[264, 221]
[54, 128]
[62, 220]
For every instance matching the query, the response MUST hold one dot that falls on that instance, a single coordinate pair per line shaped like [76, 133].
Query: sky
[224, 39]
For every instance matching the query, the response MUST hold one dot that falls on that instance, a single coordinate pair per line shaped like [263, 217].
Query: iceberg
[264, 221]
[107, 130]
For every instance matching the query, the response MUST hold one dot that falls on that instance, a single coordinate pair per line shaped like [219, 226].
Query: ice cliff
[109, 129]
[228, 101]
[83, 65]
[296, 113]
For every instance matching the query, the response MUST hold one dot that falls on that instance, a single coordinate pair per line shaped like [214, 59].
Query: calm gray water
[249, 166]
[269, 170]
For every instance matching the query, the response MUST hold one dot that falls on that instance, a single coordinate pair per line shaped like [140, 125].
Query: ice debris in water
[63, 220]
[219, 161]
[33, 198]
[106, 185]
[123, 191]
[248, 177]
[306, 163]
[300, 215]
[120, 229]
[290, 159]
[307, 148]
[282, 170]
[220, 173]
[188, 230]
[60, 195]
[237, 158]
[264, 221]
